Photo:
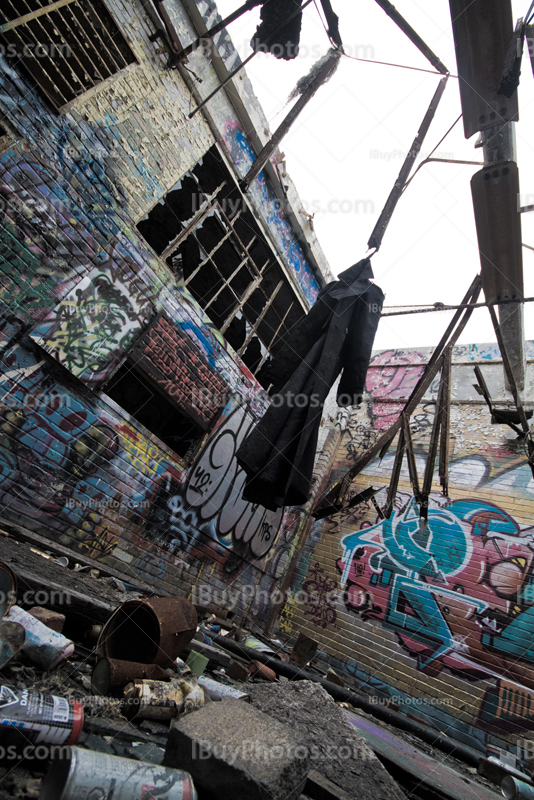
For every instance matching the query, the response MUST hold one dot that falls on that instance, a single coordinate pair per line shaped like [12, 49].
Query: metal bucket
[86, 775]
[151, 631]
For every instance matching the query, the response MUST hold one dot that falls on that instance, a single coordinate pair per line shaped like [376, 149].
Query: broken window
[67, 47]
[208, 236]
[131, 389]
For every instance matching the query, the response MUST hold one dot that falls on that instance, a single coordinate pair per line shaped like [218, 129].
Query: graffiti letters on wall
[71, 464]
[208, 514]
[458, 592]
[278, 224]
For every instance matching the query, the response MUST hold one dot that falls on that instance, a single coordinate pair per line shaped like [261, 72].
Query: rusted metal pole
[414, 37]
[391, 203]
[412, 467]
[444, 442]
[266, 152]
[395, 475]
[250, 57]
[248, 6]
[432, 451]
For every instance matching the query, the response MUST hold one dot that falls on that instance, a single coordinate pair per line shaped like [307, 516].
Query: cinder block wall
[74, 466]
[437, 624]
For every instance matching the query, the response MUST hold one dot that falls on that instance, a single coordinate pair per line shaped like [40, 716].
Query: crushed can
[161, 701]
[86, 775]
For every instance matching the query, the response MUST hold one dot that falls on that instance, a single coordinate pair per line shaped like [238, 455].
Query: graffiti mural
[243, 156]
[94, 325]
[214, 487]
[458, 592]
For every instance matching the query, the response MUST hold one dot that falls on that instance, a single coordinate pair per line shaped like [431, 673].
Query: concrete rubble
[235, 730]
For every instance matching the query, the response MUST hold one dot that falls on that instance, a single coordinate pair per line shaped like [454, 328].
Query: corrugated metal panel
[482, 33]
[495, 193]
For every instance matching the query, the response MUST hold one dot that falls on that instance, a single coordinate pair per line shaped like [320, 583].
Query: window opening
[67, 46]
[210, 239]
[131, 389]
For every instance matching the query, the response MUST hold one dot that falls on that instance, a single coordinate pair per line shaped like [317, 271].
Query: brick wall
[436, 623]
[78, 287]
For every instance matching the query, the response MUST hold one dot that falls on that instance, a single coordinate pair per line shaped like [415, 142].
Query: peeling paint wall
[436, 623]
[78, 288]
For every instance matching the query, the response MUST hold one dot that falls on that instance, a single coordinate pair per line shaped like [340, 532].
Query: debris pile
[164, 697]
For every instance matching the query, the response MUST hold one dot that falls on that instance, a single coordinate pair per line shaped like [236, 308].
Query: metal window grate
[207, 235]
[67, 46]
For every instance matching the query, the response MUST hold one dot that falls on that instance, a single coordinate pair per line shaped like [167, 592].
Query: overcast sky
[345, 151]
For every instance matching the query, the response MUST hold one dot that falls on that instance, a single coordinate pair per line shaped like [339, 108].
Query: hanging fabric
[338, 334]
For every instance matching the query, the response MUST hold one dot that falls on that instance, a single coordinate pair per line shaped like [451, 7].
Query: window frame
[83, 50]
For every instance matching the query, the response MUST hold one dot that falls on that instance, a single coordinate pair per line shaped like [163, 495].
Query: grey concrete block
[233, 750]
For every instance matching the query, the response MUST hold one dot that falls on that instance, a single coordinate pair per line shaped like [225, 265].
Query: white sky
[345, 151]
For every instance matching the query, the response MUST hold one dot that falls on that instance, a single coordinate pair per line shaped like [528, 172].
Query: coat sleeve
[297, 343]
[358, 346]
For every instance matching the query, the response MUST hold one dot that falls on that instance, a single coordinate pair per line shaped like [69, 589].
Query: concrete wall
[437, 624]
[78, 287]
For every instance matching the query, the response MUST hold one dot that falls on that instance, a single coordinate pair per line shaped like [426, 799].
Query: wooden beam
[445, 433]
[323, 75]
[395, 475]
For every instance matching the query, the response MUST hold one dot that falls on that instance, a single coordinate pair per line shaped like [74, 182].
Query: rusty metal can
[110, 674]
[87, 775]
[151, 631]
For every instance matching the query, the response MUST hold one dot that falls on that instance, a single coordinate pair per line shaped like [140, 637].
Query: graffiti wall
[433, 618]
[79, 291]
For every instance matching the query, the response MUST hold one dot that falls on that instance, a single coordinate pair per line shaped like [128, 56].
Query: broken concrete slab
[336, 750]
[233, 750]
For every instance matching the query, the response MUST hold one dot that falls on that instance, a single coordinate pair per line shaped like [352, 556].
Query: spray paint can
[86, 775]
[40, 718]
[45, 647]
[513, 789]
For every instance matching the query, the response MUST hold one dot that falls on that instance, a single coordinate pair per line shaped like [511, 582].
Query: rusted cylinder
[110, 674]
[261, 671]
[86, 774]
[153, 631]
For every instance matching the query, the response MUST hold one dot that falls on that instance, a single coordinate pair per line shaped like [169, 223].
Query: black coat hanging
[338, 334]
